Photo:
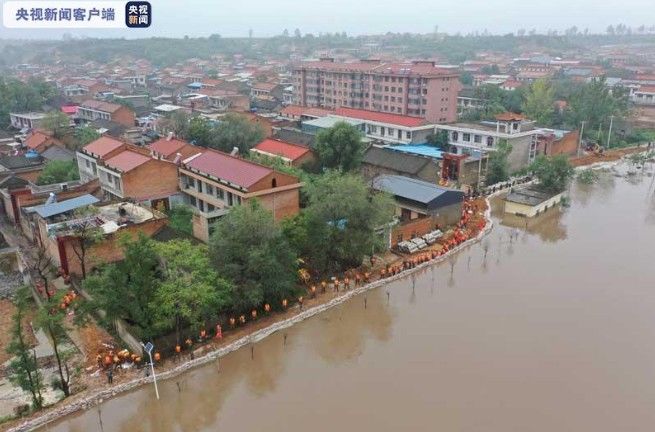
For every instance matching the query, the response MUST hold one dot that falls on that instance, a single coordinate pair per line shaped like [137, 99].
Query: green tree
[57, 171]
[23, 368]
[191, 291]
[439, 139]
[539, 102]
[86, 233]
[58, 123]
[340, 147]
[179, 218]
[342, 220]
[51, 319]
[18, 96]
[248, 248]
[553, 172]
[235, 130]
[125, 290]
[497, 163]
[594, 103]
[84, 135]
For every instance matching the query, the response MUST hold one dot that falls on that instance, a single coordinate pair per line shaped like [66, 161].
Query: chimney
[178, 157]
[52, 198]
[235, 151]
[169, 136]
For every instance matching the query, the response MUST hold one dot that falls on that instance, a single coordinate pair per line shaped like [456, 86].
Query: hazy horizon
[270, 18]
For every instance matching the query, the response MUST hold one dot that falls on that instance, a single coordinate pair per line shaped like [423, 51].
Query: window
[477, 139]
[220, 194]
[466, 137]
[408, 135]
[88, 164]
[455, 136]
[230, 198]
[490, 141]
[390, 131]
[209, 189]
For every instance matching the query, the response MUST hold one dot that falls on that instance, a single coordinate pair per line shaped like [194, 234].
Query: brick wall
[409, 230]
[283, 205]
[124, 116]
[154, 178]
[106, 251]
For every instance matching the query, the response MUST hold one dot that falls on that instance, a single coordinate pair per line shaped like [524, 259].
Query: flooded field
[553, 331]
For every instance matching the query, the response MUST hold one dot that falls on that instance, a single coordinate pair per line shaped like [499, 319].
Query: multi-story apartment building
[212, 182]
[417, 88]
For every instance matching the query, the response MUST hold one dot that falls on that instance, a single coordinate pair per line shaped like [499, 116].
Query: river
[553, 331]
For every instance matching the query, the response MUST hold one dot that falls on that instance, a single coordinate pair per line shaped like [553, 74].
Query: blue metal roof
[195, 85]
[56, 208]
[419, 149]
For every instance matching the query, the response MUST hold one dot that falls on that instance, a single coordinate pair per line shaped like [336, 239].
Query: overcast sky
[177, 18]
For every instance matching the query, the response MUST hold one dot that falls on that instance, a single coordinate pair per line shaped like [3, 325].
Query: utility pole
[580, 137]
[148, 348]
[609, 133]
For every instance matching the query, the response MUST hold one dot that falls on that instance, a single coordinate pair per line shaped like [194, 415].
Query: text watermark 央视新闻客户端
[53, 14]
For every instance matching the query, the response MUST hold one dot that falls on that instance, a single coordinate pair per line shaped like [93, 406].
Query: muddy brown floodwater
[554, 331]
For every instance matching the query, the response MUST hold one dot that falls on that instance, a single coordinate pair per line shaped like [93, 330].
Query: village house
[421, 207]
[478, 139]
[92, 110]
[291, 154]
[17, 193]
[388, 128]
[212, 182]
[62, 225]
[39, 141]
[27, 166]
[31, 120]
[172, 149]
[129, 172]
[381, 160]
[266, 90]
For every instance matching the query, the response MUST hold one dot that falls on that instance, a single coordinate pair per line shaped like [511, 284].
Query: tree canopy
[339, 226]
[553, 172]
[190, 291]
[539, 102]
[248, 248]
[233, 130]
[497, 164]
[340, 147]
[57, 171]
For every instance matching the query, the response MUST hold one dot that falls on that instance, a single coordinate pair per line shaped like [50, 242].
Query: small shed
[530, 201]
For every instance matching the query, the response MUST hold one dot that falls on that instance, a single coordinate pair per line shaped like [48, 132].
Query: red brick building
[212, 182]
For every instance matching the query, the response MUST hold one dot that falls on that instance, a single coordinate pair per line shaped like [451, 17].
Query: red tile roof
[421, 68]
[282, 148]
[297, 111]
[167, 147]
[126, 161]
[395, 119]
[229, 168]
[101, 106]
[37, 138]
[509, 116]
[264, 86]
[102, 146]
[646, 89]
[69, 109]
